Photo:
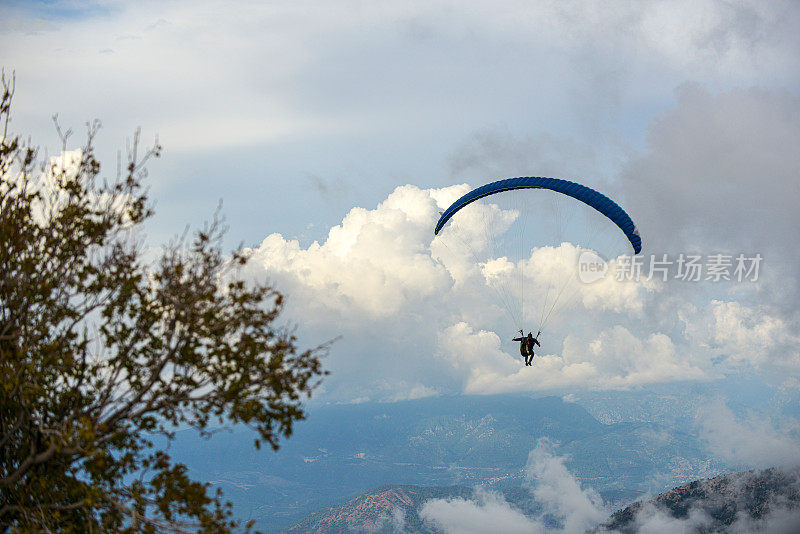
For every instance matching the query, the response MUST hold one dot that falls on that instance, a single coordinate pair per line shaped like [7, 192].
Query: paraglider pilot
[526, 344]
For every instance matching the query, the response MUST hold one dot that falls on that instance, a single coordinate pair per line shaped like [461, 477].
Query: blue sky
[334, 132]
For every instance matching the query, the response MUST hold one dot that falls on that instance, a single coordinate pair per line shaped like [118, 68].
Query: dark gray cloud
[493, 154]
[721, 173]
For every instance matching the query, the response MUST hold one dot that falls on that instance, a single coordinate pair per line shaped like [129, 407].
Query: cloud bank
[379, 279]
[432, 323]
[750, 440]
[564, 501]
[565, 506]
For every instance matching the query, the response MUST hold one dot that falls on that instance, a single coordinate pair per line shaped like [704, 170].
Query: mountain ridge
[344, 451]
[706, 505]
[720, 502]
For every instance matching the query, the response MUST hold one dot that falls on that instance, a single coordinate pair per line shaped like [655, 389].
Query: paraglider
[522, 234]
[526, 344]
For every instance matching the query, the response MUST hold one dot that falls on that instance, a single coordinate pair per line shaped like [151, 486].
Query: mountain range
[342, 451]
[752, 501]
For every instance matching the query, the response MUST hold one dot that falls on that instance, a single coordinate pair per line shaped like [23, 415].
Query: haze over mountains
[753, 501]
[647, 444]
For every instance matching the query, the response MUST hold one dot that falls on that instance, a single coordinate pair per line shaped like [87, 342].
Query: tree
[101, 351]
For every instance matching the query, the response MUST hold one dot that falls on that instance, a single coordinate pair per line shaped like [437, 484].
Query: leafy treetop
[101, 351]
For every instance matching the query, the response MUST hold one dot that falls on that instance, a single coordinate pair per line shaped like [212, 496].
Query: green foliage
[100, 350]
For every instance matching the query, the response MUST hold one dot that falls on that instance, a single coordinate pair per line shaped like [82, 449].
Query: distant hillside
[374, 511]
[380, 511]
[342, 451]
[748, 498]
[740, 502]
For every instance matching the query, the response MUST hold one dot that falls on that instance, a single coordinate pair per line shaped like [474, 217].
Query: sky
[335, 133]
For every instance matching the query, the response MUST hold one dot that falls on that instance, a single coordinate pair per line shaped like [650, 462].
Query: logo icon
[591, 267]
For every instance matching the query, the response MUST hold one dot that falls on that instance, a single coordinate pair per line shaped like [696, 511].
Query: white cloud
[421, 320]
[52, 184]
[552, 486]
[305, 69]
[779, 519]
[372, 84]
[478, 359]
[753, 334]
[745, 336]
[750, 441]
[614, 359]
[376, 263]
[653, 520]
[576, 510]
[562, 495]
[381, 276]
[629, 360]
[776, 514]
[490, 513]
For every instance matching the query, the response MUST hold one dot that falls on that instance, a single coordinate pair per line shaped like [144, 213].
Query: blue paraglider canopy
[588, 196]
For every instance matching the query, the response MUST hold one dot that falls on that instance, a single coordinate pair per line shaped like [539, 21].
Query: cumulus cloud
[418, 316]
[614, 359]
[744, 336]
[408, 316]
[376, 263]
[52, 183]
[750, 441]
[754, 334]
[488, 513]
[434, 317]
[561, 496]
